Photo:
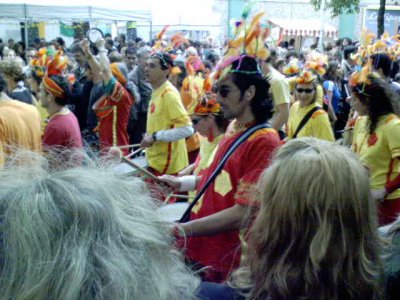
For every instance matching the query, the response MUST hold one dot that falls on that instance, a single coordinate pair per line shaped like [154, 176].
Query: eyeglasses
[224, 92]
[196, 121]
[307, 91]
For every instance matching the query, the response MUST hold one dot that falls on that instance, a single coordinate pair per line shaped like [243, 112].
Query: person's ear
[250, 93]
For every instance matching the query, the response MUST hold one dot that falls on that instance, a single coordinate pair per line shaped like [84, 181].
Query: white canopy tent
[45, 12]
[73, 10]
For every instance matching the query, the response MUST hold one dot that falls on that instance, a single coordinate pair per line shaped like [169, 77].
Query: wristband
[188, 183]
[154, 136]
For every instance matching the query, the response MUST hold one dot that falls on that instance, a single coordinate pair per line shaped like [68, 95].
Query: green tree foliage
[338, 6]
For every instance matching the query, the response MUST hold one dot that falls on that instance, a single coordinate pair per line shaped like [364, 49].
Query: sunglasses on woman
[307, 91]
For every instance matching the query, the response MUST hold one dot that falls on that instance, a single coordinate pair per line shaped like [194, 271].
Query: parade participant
[14, 75]
[315, 234]
[306, 117]
[243, 95]
[114, 107]
[85, 233]
[375, 140]
[19, 125]
[62, 128]
[209, 122]
[279, 89]
[191, 92]
[168, 123]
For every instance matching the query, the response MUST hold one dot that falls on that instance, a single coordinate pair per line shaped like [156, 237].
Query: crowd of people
[289, 162]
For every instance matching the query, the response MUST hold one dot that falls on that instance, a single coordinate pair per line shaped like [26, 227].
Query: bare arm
[331, 112]
[103, 61]
[93, 63]
[281, 116]
[225, 220]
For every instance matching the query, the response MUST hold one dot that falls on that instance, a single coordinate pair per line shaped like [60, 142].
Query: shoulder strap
[305, 120]
[243, 137]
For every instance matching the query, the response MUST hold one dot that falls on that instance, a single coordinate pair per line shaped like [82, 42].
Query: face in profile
[230, 99]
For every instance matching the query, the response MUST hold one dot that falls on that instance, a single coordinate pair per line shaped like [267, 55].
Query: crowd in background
[331, 248]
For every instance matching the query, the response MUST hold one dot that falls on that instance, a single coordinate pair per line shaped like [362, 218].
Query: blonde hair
[315, 236]
[84, 233]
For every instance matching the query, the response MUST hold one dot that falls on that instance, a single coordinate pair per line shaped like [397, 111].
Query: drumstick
[133, 153]
[181, 196]
[129, 146]
[176, 196]
[132, 164]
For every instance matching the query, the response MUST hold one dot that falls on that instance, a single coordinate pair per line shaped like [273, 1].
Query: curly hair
[12, 68]
[84, 233]
[315, 234]
[249, 74]
[378, 97]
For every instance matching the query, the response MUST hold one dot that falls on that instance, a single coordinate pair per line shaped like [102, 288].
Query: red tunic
[62, 130]
[234, 185]
[113, 112]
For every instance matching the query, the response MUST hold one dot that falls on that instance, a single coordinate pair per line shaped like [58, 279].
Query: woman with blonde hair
[84, 233]
[315, 235]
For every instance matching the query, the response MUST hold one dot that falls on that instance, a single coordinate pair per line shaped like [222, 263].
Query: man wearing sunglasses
[220, 214]
[168, 123]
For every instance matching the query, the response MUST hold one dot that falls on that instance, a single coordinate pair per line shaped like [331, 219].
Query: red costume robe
[234, 185]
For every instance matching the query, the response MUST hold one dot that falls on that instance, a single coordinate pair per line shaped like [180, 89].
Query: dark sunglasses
[196, 121]
[307, 91]
[224, 92]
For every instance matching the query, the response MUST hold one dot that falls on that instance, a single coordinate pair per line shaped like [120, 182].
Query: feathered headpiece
[292, 68]
[54, 68]
[40, 62]
[314, 66]
[205, 107]
[248, 41]
[316, 63]
[359, 80]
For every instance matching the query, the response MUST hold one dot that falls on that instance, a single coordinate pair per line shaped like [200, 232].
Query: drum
[172, 212]
[125, 169]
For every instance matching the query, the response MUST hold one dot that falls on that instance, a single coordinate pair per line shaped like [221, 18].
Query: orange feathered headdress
[40, 62]
[55, 67]
[305, 76]
[205, 107]
[248, 41]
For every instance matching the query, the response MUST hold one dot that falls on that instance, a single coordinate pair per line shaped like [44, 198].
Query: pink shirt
[63, 130]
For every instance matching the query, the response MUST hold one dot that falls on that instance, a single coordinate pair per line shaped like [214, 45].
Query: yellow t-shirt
[279, 87]
[191, 91]
[377, 151]
[207, 149]
[19, 127]
[165, 112]
[320, 91]
[317, 126]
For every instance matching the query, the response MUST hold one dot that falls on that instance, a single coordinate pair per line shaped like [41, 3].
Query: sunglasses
[307, 91]
[224, 92]
[196, 121]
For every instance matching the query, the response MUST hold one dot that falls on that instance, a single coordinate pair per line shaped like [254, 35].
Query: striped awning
[303, 27]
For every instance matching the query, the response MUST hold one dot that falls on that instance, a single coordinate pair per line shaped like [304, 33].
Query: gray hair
[84, 233]
[143, 50]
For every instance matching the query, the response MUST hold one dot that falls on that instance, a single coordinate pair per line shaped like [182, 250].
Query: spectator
[84, 238]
